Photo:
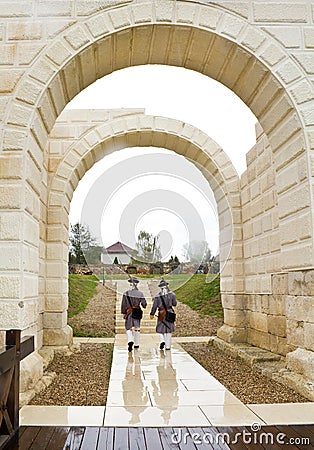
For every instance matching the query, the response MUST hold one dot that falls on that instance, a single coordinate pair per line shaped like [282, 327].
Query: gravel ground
[246, 384]
[82, 378]
[190, 323]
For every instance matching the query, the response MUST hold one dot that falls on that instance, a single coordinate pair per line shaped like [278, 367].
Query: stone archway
[240, 45]
[137, 130]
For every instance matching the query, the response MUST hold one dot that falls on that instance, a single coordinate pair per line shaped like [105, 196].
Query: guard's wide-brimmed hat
[163, 283]
[133, 280]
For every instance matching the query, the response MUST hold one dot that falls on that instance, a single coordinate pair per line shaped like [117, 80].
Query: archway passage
[272, 78]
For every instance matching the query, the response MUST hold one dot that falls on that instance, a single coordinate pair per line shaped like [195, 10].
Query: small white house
[118, 252]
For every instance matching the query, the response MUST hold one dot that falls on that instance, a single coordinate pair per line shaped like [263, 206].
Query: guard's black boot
[130, 346]
[162, 344]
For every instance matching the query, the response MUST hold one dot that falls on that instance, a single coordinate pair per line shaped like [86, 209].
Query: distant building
[117, 253]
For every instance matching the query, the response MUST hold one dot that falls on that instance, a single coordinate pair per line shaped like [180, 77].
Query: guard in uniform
[132, 300]
[164, 301]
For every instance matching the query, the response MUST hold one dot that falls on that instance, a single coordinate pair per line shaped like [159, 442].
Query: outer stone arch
[135, 131]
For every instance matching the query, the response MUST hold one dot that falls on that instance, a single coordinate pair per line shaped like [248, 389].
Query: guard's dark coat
[163, 326]
[137, 299]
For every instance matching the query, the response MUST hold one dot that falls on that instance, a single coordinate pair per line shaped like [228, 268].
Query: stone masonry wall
[283, 322]
[261, 240]
[278, 305]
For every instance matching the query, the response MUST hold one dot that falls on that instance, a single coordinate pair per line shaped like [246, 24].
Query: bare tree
[148, 248]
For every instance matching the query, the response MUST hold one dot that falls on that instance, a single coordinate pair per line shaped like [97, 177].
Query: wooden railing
[10, 356]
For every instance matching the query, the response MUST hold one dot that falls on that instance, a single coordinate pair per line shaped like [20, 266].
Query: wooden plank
[166, 436]
[74, 438]
[152, 439]
[28, 437]
[304, 431]
[27, 347]
[21, 431]
[43, 437]
[297, 433]
[90, 438]
[7, 359]
[215, 433]
[239, 445]
[136, 439]
[121, 439]
[58, 438]
[198, 435]
[269, 434]
[252, 438]
[187, 443]
[106, 438]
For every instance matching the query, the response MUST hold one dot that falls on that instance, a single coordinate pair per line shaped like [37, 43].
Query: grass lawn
[202, 293]
[81, 289]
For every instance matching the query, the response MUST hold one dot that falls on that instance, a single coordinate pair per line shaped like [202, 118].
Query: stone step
[146, 330]
[148, 299]
[143, 325]
[145, 310]
[250, 354]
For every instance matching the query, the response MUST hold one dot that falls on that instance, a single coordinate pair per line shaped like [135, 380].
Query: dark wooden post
[13, 338]
[10, 358]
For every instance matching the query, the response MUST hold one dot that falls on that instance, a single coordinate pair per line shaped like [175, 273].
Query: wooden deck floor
[110, 438]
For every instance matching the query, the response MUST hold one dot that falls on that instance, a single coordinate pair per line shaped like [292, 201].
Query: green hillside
[202, 296]
[81, 289]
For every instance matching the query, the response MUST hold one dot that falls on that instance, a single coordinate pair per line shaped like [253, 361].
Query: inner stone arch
[136, 131]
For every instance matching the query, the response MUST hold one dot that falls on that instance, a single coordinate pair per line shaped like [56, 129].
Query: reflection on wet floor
[152, 387]
[164, 389]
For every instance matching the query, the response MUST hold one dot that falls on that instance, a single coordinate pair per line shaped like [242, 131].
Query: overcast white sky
[170, 92]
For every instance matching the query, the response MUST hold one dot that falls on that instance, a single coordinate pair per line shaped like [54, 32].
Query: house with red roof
[117, 253]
